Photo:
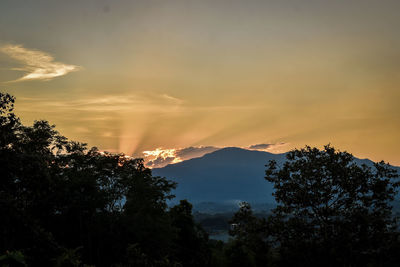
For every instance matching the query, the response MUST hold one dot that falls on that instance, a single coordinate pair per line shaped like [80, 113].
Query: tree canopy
[330, 211]
[64, 204]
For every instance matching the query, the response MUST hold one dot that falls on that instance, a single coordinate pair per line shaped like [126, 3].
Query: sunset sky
[134, 76]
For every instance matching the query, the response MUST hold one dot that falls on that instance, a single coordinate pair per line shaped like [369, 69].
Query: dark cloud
[159, 162]
[260, 146]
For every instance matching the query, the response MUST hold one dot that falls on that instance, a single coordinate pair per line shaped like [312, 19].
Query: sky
[135, 76]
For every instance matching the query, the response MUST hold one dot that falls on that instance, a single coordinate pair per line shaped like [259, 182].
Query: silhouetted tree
[332, 211]
[191, 244]
[251, 243]
[63, 204]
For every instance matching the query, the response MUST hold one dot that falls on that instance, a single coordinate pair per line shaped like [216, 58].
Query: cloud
[110, 103]
[38, 65]
[160, 162]
[161, 157]
[274, 148]
[172, 99]
[260, 146]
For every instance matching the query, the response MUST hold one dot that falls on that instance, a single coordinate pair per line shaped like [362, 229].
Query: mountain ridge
[226, 177]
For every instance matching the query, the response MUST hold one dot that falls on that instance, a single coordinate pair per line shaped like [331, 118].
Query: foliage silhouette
[330, 212]
[64, 204]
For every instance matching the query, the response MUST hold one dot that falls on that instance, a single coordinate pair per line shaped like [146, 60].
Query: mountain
[226, 176]
[218, 181]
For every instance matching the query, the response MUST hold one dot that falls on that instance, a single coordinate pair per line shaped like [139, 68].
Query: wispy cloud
[173, 99]
[154, 103]
[112, 105]
[38, 65]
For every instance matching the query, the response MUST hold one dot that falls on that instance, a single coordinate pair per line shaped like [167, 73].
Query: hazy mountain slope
[226, 175]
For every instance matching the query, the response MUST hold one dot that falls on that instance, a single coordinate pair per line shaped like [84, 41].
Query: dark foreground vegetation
[63, 204]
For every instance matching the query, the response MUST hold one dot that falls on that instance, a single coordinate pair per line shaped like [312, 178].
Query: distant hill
[220, 180]
[226, 176]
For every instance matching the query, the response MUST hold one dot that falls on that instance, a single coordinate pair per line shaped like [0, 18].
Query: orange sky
[130, 76]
